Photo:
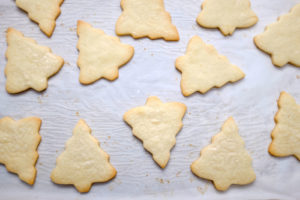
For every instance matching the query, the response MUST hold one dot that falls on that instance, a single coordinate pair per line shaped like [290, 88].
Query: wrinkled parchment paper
[251, 101]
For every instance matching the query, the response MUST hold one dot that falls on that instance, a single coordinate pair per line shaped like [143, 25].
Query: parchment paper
[251, 101]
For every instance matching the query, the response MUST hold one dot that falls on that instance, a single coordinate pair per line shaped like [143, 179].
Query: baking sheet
[251, 101]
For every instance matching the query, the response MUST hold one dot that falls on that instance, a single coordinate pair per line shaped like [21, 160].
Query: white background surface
[251, 101]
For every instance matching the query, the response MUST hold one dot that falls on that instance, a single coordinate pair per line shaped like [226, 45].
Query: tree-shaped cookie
[18, 146]
[83, 162]
[100, 55]
[286, 134]
[225, 161]
[156, 124]
[226, 15]
[43, 12]
[29, 65]
[146, 18]
[203, 68]
[281, 39]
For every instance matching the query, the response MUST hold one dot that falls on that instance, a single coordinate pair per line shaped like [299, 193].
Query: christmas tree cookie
[146, 18]
[100, 55]
[286, 134]
[226, 15]
[281, 39]
[156, 124]
[43, 12]
[203, 68]
[226, 160]
[18, 146]
[83, 162]
[29, 65]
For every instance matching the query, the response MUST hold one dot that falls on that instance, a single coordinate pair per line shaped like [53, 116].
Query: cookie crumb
[204, 189]
[39, 100]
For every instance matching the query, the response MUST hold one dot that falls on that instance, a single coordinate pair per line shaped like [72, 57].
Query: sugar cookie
[146, 18]
[281, 39]
[29, 65]
[226, 160]
[100, 55]
[226, 15]
[18, 146]
[43, 12]
[203, 68]
[83, 162]
[286, 134]
[156, 124]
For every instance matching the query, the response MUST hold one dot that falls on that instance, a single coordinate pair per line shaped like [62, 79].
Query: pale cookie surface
[203, 68]
[29, 65]
[83, 162]
[226, 15]
[18, 146]
[156, 124]
[146, 18]
[286, 134]
[100, 55]
[226, 160]
[43, 12]
[281, 39]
